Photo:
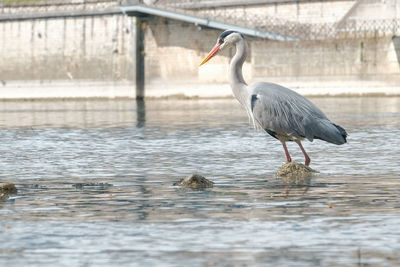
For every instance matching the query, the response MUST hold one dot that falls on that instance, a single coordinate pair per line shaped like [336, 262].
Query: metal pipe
[204, 22]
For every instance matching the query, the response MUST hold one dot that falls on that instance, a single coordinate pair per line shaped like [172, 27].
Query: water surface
[95, 186]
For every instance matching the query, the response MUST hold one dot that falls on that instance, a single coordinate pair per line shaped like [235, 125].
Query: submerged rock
[6, 190]
[92, 185]
[293, 172]
[195, 181]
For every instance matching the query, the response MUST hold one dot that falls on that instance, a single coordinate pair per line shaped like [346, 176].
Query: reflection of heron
[281, 112]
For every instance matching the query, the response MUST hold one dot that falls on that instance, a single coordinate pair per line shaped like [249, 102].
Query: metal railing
[26, 6]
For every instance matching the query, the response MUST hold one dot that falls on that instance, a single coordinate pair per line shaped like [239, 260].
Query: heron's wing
[284, 112]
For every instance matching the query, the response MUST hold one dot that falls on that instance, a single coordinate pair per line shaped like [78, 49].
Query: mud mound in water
[295, 172]
[195, 181]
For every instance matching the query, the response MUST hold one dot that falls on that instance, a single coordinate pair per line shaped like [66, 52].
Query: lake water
[95, 179]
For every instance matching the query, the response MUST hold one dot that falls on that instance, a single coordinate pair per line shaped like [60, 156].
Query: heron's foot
[308, 161]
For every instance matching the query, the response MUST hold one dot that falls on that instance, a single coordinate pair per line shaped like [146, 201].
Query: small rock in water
[195, 181]
[294, 172]
[92, 185]
[8, 188]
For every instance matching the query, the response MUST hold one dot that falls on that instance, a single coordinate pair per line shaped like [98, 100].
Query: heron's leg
[288, 158]
[308, 160]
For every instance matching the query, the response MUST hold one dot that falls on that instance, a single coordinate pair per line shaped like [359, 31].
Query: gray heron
[281, 112]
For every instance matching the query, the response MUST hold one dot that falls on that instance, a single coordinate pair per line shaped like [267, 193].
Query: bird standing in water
[281, 112]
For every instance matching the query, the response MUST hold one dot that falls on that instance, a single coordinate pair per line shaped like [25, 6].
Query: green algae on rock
[195, 181]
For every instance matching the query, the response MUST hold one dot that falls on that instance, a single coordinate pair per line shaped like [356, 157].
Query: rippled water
[95, 186]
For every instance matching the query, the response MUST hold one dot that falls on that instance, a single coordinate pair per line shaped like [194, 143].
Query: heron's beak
[212, 53]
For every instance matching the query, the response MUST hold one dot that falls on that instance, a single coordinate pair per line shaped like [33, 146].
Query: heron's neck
[237, 63]
[238, 84]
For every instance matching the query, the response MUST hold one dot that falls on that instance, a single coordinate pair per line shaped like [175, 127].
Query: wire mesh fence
[15, 8]
[27, 6]
[336, 30]
[237, 16]
[25, 3]
[291, 28]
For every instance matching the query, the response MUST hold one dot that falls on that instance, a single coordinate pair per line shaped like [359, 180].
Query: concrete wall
[67, 48]
[343, 66]
[303, 12]
[174, 51]
[91, 49]
[342, 57]
[375, 9]
[95, 56]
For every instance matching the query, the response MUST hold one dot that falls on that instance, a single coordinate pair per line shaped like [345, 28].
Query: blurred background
[108, 48]
[94, 164]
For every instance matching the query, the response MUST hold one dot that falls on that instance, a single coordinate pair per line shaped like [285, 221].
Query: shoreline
[161, 90]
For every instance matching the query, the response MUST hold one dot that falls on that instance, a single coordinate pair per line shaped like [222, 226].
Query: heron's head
[225, 39]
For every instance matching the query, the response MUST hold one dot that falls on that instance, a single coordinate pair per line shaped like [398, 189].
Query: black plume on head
[226, 33]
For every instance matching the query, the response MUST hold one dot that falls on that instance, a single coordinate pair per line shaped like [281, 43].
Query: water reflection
[140, 113]
[127, 113]
[95, 181]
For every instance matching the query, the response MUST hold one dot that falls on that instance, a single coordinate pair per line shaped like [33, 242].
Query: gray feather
[292, 116]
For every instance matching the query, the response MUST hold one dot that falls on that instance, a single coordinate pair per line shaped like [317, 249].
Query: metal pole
[140, 28]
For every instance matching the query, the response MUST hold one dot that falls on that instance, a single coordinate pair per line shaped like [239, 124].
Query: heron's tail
[342, 132]
[329, 132]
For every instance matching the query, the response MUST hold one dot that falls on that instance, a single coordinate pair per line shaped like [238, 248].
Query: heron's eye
[221, 41]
